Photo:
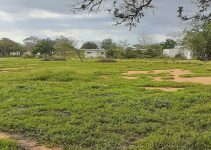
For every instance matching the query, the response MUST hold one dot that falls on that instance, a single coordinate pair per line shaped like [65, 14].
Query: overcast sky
[51, 18]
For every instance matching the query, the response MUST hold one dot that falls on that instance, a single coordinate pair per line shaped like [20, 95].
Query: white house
[94, 53]
[178, 50]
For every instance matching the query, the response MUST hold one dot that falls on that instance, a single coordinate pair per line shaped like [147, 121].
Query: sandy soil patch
[176, 76]
[26, 143]
[136, 72]
[4, 136]
[4, 70]
[166, 89]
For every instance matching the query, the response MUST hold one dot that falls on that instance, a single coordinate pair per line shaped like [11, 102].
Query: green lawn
[70, 104]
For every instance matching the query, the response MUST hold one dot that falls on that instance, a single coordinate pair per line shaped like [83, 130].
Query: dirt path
[26, 143]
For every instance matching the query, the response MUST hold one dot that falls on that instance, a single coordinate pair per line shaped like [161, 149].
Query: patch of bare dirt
[176, 76]
[166, 89]
[26, 143]
[4, 136]
[4, 70]
[136, 72]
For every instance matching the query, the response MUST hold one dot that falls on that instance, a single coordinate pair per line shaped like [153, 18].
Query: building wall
[175, 51]
[94, 54]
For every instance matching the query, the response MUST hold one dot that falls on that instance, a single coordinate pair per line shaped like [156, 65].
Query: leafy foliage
[169, 44]
[110, 47]
[44, 47]
[89, 45]
[64, 47]
[7, 46]
[200, 42]
[130, 12]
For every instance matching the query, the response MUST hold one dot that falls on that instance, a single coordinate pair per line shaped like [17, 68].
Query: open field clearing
[128, 104]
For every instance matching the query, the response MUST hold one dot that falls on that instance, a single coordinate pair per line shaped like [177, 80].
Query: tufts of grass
[6, 144]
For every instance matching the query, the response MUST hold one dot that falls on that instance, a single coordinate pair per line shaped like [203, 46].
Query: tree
[130, 12]
[7, 46]
[64, 46]
[176, 36]
[129, 53]
[89, 45]
[44, 47]
[203, 13]
[145, 40]
[30, 42]
[200, 42]
[110, 47]
[168, 44]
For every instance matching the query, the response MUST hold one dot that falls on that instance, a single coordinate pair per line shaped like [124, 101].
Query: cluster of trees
[123, 50]
[8, 46]
[200, 42]
[61, 47]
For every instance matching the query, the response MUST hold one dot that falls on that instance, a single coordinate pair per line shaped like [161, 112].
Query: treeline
[124, 50]
[114, 50]
[63, 48]
[60, 48]
[197, 39]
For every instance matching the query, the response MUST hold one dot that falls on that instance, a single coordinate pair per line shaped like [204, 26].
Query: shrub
[106, 60]
[180, 56]
[54, 58]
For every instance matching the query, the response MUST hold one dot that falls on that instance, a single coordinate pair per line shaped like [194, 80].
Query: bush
[54, 58]
[180, 56]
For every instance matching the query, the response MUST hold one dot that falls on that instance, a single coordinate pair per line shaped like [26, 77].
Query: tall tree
[30, 43]
[44, 47]
[145, 40]
[64, 46]
[200, 42]
[7, 46]
[130, 12]
[110, 47]
[169, 44]
[89, 45]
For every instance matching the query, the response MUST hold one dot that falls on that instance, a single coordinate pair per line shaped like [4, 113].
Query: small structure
[17, 53]
[178, 50]
[94, 53]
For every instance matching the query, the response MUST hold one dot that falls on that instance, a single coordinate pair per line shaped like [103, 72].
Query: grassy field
[89, 105]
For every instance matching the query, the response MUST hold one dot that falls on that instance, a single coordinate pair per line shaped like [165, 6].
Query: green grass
[69, 104]
[6, 144]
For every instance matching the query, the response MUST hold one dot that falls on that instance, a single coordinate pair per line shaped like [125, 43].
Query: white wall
[175, 51]
[94, 53]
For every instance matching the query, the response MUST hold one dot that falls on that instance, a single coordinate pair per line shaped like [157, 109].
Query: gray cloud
[20, 18]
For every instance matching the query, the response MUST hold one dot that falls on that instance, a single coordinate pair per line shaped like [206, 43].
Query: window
[88, 52]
